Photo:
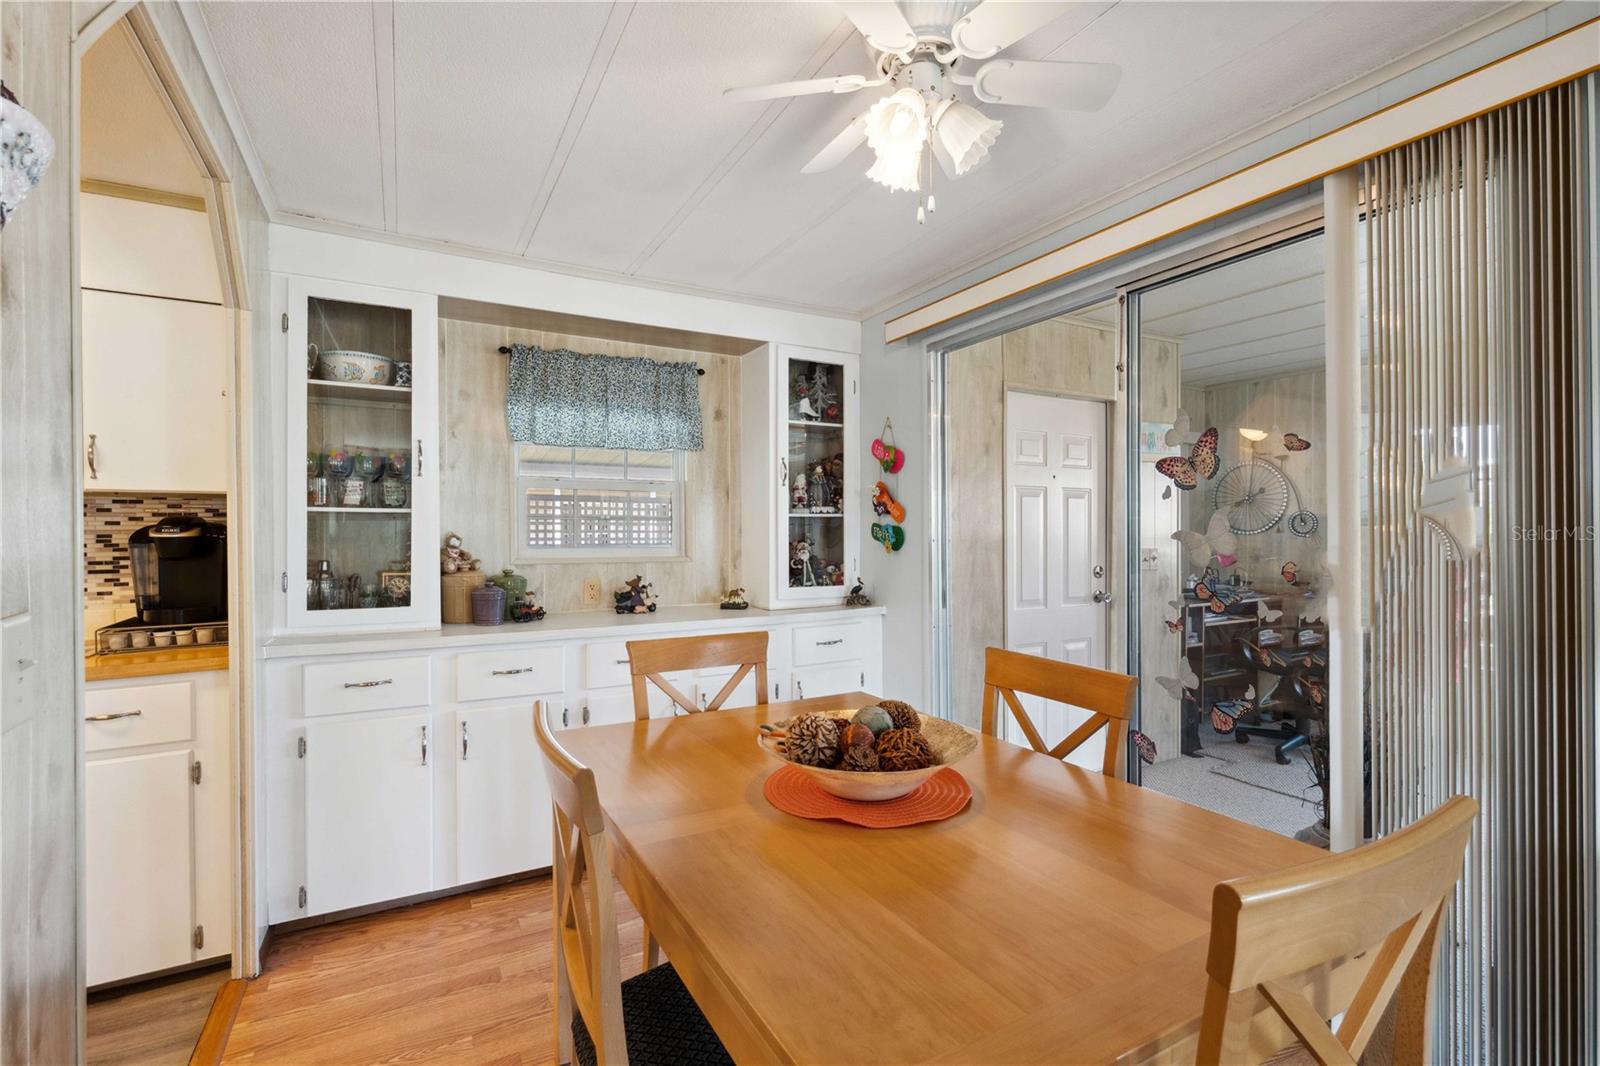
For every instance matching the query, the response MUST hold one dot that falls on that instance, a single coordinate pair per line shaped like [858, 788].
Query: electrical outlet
[591, 592]
[1149, 559]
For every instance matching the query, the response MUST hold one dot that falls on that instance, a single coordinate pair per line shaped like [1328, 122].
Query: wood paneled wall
[477, 494]
[1064, 356]
[39, 570]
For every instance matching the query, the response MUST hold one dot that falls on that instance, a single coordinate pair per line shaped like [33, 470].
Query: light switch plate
[1149, 558]
[591, 592]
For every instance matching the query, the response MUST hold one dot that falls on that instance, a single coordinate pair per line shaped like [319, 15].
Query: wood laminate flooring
[460, 980]
[151, 1026]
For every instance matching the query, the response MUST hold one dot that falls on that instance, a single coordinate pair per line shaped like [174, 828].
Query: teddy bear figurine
[453, 557]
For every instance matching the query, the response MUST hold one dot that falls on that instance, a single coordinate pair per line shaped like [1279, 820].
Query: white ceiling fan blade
[882, 23]
[1030, 83]
[843, 83]
[997, 24]
[837, 150]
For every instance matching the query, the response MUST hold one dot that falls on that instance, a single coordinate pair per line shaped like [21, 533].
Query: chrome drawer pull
[368, 684]
[507, 673]
[622, 662]
[830, 643]
[114, 717]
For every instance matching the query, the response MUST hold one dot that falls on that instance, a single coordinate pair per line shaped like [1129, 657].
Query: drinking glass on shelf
[353, 492]
[317, 492]
[313, 464]
[394, 492]
[398, 464]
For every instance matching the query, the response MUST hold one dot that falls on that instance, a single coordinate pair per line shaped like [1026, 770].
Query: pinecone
[902, 714]
[904, 749]
[813, 740]
[861, 759]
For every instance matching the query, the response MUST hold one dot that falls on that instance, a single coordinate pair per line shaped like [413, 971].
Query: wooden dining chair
[1271, 935]
[650, 1018]
[1106, 695]
[650, 659]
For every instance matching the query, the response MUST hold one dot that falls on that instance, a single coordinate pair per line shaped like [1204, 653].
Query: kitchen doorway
[159, 336]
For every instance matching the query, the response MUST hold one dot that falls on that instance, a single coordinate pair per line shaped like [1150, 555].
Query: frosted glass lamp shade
[964, 134]
[898, 169]
[898, 123]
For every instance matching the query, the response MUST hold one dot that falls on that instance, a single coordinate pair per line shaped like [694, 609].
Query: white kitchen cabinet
[135, 246]
[369, 809]
[812, 681]
[139, 864]
[710, 682]
[801, 476]
[362, 492]
[502, 806]
[155, 407]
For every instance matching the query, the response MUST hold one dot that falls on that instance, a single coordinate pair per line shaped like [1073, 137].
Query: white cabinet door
[814, 681]
[139, 864]
[369, 798]
[150, 249]
[502, 804]
[154, 374]
[710, 682]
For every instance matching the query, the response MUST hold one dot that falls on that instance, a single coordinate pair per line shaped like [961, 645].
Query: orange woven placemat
[944, 794]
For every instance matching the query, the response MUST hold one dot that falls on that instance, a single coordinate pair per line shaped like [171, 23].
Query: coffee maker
[180, 571]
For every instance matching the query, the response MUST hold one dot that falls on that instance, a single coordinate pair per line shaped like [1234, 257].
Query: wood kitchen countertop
[185, 660]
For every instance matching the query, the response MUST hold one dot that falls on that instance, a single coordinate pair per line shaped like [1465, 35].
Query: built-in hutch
[401, 756]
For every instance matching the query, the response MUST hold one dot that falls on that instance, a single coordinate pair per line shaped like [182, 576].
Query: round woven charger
[944, 794]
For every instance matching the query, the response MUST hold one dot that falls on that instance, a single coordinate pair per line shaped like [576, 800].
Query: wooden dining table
[1061, 918]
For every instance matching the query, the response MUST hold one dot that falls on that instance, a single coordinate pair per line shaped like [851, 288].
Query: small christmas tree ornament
[904, 749]
[813, 740]
[902, 714]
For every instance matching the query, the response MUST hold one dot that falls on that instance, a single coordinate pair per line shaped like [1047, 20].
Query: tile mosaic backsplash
[108, 521]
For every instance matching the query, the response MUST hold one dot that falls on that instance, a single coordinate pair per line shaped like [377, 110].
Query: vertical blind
[1481, 576]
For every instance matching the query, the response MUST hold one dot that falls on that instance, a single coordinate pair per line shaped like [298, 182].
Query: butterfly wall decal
[1295, 442]
[1201, 463]
[1175, 625]
[1144, 746]
[1179, 431]
[1217, 598]
[1265, 614]
[1217, 540]
[1185, 689]
[1222, 721]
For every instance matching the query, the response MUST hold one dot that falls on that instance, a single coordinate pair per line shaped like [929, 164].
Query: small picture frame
[394, 587]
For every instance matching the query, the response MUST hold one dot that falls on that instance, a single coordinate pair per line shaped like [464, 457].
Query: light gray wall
[39, 549]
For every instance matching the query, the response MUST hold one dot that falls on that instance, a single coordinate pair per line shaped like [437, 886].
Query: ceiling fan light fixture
[899, 169]
[964, 134]
[898, 124]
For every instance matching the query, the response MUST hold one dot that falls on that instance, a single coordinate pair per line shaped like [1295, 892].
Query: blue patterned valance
[568, 399]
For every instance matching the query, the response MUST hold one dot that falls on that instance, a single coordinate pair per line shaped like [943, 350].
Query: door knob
[1102, 596]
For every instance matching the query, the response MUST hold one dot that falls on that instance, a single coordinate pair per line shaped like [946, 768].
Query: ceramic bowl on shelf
[950, 742]
[360, 367]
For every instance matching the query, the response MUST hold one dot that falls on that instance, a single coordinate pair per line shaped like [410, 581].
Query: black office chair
[1284, 715]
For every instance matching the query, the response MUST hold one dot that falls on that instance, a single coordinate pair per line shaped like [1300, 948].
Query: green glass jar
[515, 584]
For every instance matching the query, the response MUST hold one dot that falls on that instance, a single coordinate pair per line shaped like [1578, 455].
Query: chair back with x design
[1107, 696]
[650, 660]
[1273, 936]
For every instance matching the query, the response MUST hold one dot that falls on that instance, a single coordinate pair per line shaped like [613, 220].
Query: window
[597, 501]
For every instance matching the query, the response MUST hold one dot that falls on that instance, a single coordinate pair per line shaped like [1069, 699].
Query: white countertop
[601, 625]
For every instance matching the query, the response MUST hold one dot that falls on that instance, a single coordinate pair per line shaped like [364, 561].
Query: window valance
[570, 399]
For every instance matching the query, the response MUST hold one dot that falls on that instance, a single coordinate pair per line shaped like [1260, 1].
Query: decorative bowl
[950, 742]
[362, 367]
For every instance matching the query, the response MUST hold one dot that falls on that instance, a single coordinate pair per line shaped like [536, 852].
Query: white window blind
[581, 501]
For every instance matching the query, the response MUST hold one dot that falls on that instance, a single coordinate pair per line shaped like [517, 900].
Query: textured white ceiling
[594, 136]
[128, 136]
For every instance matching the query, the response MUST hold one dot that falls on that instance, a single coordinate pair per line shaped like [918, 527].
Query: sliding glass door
[1226, 491]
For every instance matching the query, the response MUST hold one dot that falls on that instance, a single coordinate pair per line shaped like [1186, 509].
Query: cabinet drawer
[377, 685]
[485, 675]
[605, 664]
[138, 714]
[829, 643]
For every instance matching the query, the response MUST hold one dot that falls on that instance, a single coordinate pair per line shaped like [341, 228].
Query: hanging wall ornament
[891, 457]
[26, 148]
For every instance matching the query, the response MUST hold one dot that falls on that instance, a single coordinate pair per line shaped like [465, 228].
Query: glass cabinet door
[818, 391]
[363, 409]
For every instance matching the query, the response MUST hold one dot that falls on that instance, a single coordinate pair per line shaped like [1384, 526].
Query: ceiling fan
[926, 50]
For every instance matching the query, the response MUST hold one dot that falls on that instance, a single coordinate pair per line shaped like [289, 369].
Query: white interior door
[1055, 495]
